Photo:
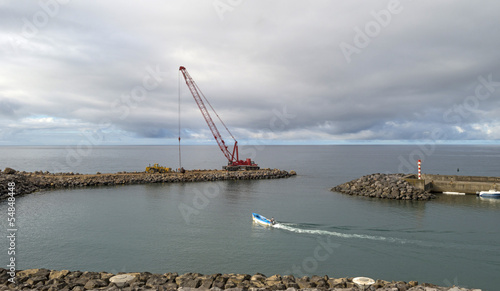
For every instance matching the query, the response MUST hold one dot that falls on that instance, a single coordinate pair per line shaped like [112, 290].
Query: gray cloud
[85, 63]
[8, 107]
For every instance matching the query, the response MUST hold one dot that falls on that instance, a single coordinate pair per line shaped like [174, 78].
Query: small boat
[262, 220]
[489, 194]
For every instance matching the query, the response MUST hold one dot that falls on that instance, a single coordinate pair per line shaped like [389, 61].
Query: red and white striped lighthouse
[419, 171]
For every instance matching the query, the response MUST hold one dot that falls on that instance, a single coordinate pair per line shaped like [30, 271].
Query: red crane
[234, 162]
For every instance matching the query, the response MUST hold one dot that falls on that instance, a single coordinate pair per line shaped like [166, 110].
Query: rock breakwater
[389, 186]
[29, 182]
[53, 280]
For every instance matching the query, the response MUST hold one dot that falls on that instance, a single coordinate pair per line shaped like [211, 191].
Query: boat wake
[312, 229]
[296, 228]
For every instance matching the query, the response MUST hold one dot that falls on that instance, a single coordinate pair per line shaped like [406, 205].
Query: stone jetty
[29, 182]
[388, 186]
[64, 280]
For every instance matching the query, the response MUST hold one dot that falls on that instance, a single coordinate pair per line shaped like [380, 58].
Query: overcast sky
[107, 72]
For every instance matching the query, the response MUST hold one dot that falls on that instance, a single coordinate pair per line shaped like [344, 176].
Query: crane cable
[220, 119]
[179, 121]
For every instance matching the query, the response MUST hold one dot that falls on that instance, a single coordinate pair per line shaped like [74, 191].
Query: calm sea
[207, 227]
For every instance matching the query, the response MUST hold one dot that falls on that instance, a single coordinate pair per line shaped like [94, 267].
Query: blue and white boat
[262, 220]
[489, 194]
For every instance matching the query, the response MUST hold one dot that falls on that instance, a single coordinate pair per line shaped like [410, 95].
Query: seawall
[387, 186]
[463, 184]
[409, 187]
[52, 280]
[29, 182]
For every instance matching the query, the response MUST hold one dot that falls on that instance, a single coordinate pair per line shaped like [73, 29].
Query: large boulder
[122, 280]
[220, 281]
[58, 274]
[9, 171]
[238, 278]
[156, 280]
[95, 283]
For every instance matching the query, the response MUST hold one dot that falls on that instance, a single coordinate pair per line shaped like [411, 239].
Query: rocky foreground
[389, 186]
[26, 182]
[52, 280]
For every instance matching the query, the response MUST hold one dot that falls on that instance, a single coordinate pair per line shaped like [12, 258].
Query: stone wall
[31, 182]
[463, 184]
[53, 280]
[457, 178]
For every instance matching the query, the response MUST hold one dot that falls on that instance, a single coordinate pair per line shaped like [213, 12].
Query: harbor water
[207, 227]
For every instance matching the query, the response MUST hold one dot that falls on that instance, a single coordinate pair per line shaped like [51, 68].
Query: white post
[419, 170]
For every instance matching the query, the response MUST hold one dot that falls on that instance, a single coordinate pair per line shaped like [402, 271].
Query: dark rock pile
[22, 183]
[390, 186]
[30, 182]
[52, 280]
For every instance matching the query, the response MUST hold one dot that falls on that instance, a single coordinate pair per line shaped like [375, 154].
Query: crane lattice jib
[196, 92]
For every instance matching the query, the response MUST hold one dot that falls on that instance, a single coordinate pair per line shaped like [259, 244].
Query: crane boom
[234, 162]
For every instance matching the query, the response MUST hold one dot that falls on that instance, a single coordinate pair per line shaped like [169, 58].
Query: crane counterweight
[234, 162]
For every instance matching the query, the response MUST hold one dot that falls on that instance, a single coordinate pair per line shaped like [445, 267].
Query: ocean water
[206, 227]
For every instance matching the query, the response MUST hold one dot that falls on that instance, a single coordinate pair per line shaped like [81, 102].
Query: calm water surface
[207, 228]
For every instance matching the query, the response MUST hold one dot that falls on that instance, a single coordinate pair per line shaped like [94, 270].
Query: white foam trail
[289, 227]
[337, 234]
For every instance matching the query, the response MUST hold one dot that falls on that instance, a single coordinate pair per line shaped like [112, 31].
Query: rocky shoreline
[29, 182]
[52, 280]
[388, 186]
